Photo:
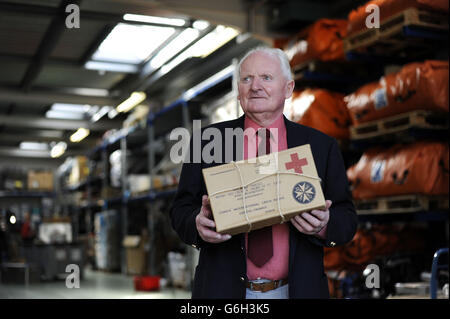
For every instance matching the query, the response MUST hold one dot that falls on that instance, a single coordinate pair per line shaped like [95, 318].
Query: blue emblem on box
[304, 192]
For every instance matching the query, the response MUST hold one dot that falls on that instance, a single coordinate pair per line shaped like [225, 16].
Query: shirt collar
[278, 123]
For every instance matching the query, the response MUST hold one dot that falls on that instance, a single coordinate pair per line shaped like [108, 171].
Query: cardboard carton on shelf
[80, 170]
[40, 181]
[136, 254]
[270, 198]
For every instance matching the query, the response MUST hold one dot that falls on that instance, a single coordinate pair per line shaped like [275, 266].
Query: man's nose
[256, 84]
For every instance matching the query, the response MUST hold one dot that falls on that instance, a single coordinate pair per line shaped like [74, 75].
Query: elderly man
[280, 261]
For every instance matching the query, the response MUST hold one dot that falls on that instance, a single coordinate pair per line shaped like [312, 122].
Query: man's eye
[246, 79]
[267, 77]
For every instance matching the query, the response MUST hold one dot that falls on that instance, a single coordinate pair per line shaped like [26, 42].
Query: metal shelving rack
[158, 124]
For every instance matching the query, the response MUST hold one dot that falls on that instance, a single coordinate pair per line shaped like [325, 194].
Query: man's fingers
[298, 226]
[205, 200]
[311, 220]
[328, 204]
[211, 236]
[204, 221]
[304, 224]
[319, 214]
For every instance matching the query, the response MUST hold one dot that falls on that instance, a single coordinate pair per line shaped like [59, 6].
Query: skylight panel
[131, 43]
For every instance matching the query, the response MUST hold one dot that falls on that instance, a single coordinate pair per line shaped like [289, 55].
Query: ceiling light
[100, 113]
[79, 135]
[74, 108]
[203, 47]
[112, 113]
[58, 149]
[33, 146]
[68, 111]
[212, 41]
[134, 99]
[175, 46]
[12, 219]
[200, 24]
[64, 115]
[111, 67]
[152, 19]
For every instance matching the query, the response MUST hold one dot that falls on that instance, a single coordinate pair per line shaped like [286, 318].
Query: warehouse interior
[91, 90]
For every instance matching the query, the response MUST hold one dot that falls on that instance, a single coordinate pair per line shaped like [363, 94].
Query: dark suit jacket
[221, 271]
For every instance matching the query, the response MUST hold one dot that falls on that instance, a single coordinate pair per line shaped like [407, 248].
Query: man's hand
[312, 222]
[206, 225]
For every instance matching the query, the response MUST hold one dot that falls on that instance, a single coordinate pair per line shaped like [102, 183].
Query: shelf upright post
[124, 203]
[150, 208]
[190, 253]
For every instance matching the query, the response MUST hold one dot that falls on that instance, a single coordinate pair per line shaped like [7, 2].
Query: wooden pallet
[401, 204]
[394, 124]
[390, 33]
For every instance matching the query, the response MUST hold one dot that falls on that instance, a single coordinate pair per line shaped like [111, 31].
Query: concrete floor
[95, 285]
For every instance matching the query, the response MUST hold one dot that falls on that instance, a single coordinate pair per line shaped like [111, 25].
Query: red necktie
[260, 246]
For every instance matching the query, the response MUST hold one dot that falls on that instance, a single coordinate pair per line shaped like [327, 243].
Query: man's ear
[289, 88]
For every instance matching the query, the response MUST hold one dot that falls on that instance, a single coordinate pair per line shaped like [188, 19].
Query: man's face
[262, 85]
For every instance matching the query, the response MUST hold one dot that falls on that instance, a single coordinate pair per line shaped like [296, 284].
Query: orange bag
[417, 168]
[333, 258]
[357, 17]
[417, 86]
[322, 41]
[323, 110]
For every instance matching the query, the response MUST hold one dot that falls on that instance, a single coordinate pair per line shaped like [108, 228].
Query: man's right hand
[206, 225]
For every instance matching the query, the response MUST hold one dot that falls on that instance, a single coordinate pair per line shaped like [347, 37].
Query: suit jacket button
[242, 279]
[332, 244]
[194, 246]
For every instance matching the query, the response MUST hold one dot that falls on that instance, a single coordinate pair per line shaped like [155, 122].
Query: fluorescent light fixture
[111, 67]
[58, 149]
[175, 46]
[69, 111]
[134, 99]
[112, 113]
[212, 41]
[100, 113]
[79, 135]
[153, 19]
[131, 43]
[200, 24]
[64, 115]
[203, 47]
[33, 146]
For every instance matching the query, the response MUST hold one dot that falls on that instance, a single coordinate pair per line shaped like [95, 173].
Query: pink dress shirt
[278, 266]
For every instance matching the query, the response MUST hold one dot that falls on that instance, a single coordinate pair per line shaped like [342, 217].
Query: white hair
[278, 53]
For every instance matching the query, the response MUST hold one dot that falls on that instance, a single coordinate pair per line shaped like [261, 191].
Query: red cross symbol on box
[296, 163]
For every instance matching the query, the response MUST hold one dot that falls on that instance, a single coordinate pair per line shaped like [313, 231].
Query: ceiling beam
[17, 152]
[42, 10]
[35, 137]
[57, 124]
[48, 43]
[52, 96]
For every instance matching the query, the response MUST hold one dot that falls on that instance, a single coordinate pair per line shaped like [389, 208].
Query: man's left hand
[312, 222]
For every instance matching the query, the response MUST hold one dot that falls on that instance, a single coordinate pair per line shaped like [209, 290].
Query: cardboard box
[40, 181]
[80, 170]
[298, 193]
[138, 183]
[136, 254]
